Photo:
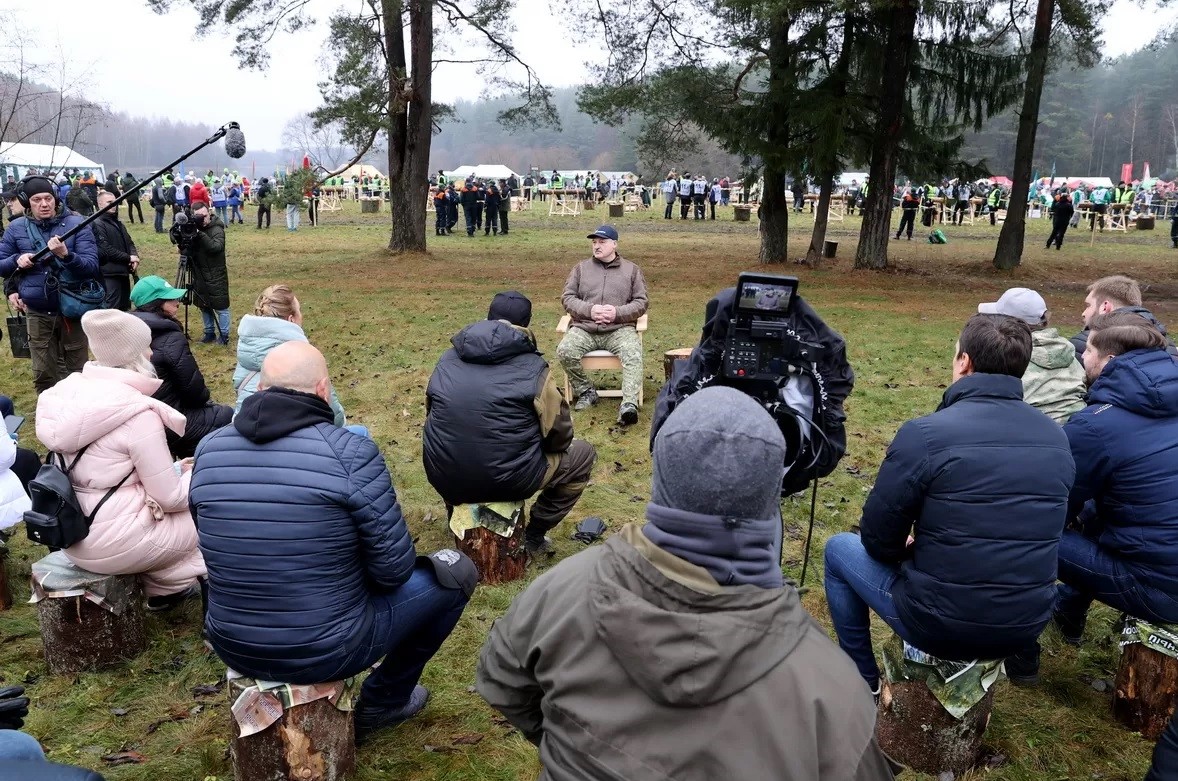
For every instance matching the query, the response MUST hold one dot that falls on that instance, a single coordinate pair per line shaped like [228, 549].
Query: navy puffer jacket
[1126, 448]
[82, 259]
[983, 485]
[299, 526]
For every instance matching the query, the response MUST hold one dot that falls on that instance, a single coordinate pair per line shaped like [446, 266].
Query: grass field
[382, 324]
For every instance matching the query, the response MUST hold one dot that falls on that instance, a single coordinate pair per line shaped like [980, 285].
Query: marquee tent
[17, 159]
[482, 171]
[361, 170]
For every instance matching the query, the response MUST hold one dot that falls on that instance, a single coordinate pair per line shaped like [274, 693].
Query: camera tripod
[184, 282]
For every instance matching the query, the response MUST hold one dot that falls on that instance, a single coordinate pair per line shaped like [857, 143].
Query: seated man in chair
[497, 429]
[605, 295]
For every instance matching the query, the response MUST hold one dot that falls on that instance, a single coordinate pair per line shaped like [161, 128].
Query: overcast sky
[171, 61]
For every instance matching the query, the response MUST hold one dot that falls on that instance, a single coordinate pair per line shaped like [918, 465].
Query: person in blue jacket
[312, 574]
[960, 534]
[57, 343]
[1120, 551]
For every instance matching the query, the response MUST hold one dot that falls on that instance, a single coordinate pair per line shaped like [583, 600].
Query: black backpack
[57, 520]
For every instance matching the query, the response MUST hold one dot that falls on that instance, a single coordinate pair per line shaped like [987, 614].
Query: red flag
[1145, 173]
[1127, 172]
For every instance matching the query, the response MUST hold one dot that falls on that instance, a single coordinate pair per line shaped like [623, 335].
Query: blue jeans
[235, 214]
[1089, 572]
[855, 583]
[409, 627]
[218, 318]
[19, 746]
[223, 213]
[159, 220]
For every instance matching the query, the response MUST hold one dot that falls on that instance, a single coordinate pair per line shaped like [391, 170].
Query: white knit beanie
[116, 338]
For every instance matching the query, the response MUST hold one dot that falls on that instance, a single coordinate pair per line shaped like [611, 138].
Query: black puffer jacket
[837, 378]
[184, 386]
[482, 440]
[982, 484]
[115, 245]
[210, 277]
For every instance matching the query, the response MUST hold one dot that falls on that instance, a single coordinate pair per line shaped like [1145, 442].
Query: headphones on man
[22, 194]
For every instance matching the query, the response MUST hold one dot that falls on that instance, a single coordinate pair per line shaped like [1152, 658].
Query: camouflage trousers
[624, 343]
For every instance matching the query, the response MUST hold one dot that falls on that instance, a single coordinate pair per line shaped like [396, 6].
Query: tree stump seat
[933, 714]
[492, 535]
[369, 206]
[300, 733]
[741, 213]
[1146, 688]
[88, 621]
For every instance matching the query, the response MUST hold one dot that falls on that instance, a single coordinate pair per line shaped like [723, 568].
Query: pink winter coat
[145, 526]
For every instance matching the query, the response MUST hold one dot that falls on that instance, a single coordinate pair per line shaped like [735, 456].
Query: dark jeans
[700, 210]
[684, 206]
[26, 466]
[1165, 754]
[1174, 230]
[442, 219]
[58, 346]
[493, 221]
[313, 211]
[264, 211]
[503, 220]
[1058, 229]
[159, 219]
[133, 206]
[469, 213]
[670, 207]
[907, 220]
[712, 205]
[409, 626]
[478, 216]
[559, 495]
[1099, 209]
[118, 292]
[855, 585]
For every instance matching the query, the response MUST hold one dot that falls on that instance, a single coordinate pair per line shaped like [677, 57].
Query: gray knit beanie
[719, 453]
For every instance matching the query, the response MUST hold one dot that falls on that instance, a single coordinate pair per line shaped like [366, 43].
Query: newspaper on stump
[56, 577]
[261, 703]
[502, 518]
[958, 686]
[1162, 638]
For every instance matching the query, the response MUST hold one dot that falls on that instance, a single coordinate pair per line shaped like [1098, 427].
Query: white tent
[17, 159]
[481, 171]
[361, 170]
[846, 179]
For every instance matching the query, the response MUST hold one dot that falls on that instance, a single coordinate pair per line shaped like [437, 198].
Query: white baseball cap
[1018, 302]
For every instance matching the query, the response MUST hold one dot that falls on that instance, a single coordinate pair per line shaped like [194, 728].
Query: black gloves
[14, 706]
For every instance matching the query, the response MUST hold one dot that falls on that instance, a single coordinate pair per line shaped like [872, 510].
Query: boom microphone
[234, 141]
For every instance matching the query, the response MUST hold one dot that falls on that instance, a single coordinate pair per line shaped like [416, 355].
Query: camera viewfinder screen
[765, 297]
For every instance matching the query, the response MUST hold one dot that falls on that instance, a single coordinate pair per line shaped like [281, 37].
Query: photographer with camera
[201, 240]
[766, 341]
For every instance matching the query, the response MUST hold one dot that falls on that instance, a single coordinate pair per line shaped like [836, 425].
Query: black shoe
[208, 339]
[223, 340]
[585, 400]
[1071, 632]
[540, 547]
[628, 414]
[169, 601]
[1023, 668]
[369, 719]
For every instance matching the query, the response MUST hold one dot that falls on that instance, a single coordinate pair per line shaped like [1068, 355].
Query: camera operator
[807, 405]
[202, 240]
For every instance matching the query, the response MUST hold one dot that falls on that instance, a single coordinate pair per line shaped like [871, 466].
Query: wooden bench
[600, 360]
[88, 621]
[295, 733]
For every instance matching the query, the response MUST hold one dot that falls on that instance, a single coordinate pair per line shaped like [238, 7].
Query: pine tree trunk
[821, 219]
[1146, 690]
[410, 115]
[774, 212]
[872, 252]
[1009, 252]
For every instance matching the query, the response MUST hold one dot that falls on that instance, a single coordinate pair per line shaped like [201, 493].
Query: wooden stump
[1146, 690]
[588, 204]
[369, 206]
[617, 210]
[498, 559]
[5, 585]
[81, 636]
[1145, 223]
[311, 742]
[915, 730]
[670, 357]
[741, 213]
